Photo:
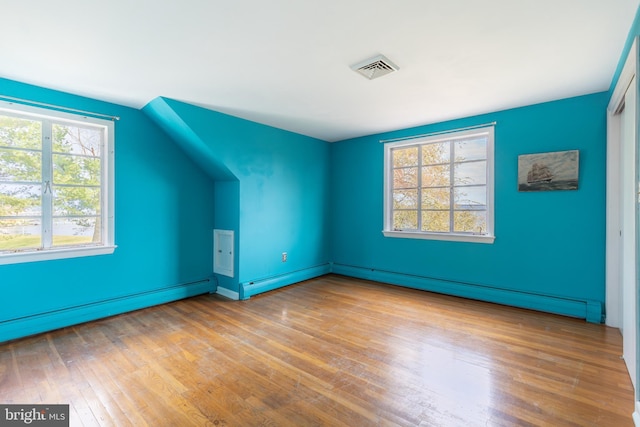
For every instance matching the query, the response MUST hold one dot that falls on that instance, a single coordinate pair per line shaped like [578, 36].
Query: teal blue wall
[319, 202]
[547, 243]
[227, 217]
[164, 206]
[280, 202]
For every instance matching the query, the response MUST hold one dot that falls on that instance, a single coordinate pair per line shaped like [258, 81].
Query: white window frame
[107, 246]
[388, 230]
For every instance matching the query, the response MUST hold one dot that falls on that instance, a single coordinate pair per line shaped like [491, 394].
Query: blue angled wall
[549, 250]
[273, 191]
[163, 233]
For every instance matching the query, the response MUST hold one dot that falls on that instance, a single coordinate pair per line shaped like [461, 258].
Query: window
[440, 187]
[56, 185]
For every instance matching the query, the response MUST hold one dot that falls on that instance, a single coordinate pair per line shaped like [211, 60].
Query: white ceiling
[286, 63]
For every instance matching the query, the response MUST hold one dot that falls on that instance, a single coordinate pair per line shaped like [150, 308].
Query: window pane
[405, 199]
[470, 197]
[75, 231]
[405, 178]
[77, 140]
[77, 170]
[471, 149]
[405, 157]
[20, 133]
[18, 165]
[20, 234]
[453, 189]
[405, 220]
[435, 221]
[53, 190]
[470, 221]
[436, 176]
[471, 173]
[70, 201]
[436, 198]
[20, 200]
[436, 153]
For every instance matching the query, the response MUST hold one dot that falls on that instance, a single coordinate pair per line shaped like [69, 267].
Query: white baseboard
[636, 415]
[227, 293]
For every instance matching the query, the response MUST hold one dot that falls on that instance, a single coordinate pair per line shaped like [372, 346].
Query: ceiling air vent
[375, 67]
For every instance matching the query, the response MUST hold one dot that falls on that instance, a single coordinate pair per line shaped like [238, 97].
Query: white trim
[47, 176]
[52, 254]
[107, 182]
[227, 293]
[47, 113]
[443, 132]
[21, 101]
[613, 226]
[614, 252]
[472, 238]
[109, 186]
[627, 74]
[489, 237]
[612, 264]
[223, 264]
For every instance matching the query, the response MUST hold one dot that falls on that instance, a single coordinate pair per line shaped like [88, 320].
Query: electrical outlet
[284, 257]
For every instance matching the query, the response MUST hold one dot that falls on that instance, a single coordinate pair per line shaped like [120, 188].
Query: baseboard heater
[590, 310]
[54, 319]
[254, 287]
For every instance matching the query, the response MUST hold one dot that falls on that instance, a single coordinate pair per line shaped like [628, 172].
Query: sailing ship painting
[548, 171]
[539, 173]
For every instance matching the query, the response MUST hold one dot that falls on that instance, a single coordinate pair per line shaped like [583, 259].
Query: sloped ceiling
[286, 63]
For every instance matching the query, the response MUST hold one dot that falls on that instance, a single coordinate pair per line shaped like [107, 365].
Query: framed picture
[548, 171]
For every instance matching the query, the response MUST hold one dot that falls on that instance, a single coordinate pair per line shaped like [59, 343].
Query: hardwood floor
[332, 351]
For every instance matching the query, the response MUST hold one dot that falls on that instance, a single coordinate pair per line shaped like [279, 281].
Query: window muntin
[56, 184]
[441, 187]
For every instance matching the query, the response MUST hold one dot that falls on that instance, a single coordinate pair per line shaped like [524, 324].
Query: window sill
[52, 254]
[470, 238]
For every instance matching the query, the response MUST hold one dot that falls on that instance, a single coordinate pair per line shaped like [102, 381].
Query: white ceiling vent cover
[375, 67]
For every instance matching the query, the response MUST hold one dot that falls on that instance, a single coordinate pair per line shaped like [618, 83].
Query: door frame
[614, 136]
[614, 300]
